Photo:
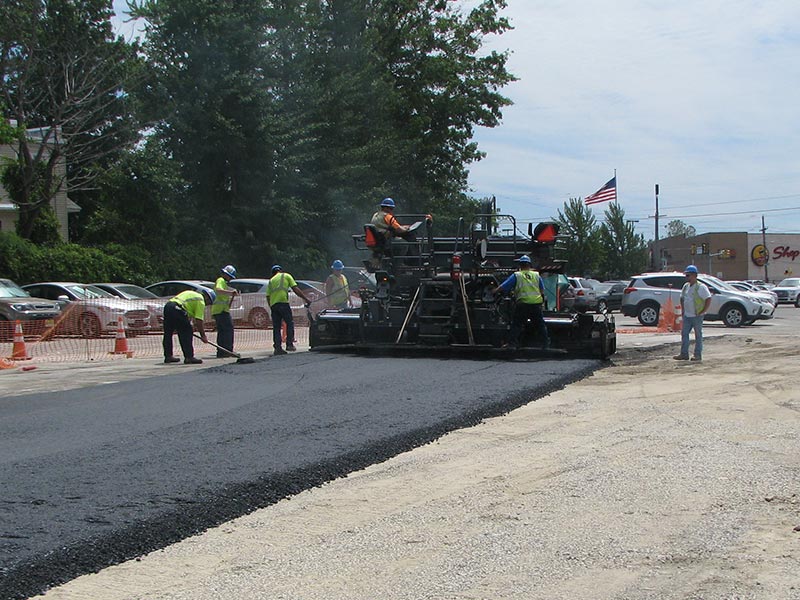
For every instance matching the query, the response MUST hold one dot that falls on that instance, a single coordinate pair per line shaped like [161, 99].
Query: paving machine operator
[529, 293]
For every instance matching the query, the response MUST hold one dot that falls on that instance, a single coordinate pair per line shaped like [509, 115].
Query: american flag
[604, 194]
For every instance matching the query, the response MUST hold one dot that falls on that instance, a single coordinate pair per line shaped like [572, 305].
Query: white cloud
[698, 97]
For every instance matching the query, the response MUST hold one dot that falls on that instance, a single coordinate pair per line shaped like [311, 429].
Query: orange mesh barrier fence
[89, 330]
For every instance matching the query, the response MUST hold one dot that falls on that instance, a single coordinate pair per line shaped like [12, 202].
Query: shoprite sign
[760, 256]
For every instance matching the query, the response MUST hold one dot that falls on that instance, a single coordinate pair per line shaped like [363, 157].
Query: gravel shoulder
[649, 479]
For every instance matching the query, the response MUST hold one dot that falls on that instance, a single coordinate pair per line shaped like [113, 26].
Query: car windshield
[134, 291]
[719, 283]
[88, 292]
[791, 282]
[9, 289]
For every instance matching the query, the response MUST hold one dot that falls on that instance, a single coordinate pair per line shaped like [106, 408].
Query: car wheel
[259, 318]
[733, 316]
[797, 301]
[602, 306]
[648, 314]
[89, 325]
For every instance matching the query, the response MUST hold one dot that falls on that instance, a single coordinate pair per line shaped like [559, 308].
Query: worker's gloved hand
[308, 304]
[429, 218]
[204, 338]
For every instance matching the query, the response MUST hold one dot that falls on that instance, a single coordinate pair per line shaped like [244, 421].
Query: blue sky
[702, 98]
[699, 97]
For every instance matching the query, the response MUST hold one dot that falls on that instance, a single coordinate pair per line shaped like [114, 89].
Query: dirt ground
[650, 479]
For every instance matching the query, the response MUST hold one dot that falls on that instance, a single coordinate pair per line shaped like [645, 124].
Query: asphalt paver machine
[436, 292]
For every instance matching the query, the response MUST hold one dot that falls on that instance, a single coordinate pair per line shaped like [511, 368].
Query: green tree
[582, 251]
[623, 251]
[62, 73]
[677, 227]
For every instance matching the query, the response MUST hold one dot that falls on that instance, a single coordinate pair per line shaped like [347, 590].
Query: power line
[734, 201]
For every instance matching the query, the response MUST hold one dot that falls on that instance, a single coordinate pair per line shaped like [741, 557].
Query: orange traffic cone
[120, 341]
[677, 323]
[666, 316]
[18, 351]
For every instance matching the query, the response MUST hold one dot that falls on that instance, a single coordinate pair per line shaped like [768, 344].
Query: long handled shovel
[240, 360]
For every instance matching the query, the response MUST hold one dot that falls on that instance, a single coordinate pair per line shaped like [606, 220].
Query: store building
[733, 255]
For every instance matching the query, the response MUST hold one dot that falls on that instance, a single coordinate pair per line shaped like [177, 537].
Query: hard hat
[211, 294]
[523, 259]
[337, 264]
[229, 270]
[276, 268]
[388, 202]
[690, 269]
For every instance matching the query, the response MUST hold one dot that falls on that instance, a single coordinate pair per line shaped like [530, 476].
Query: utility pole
[764, 243]
[656, 255]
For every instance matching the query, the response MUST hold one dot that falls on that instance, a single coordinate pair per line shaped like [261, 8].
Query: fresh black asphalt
[95, 476]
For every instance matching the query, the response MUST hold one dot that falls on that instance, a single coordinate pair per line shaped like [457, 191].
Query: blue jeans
[690, 323]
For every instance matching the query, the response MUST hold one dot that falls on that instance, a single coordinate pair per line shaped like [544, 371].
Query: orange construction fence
[91, 331]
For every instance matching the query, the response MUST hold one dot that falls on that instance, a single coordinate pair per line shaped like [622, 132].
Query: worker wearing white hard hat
[221, 310]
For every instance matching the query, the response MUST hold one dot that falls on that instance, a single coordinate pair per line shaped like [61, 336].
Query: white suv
[788, 291]
[647, 292]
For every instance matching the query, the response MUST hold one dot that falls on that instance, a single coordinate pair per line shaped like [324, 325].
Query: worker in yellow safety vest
[177, 314]
[529, 293]
[337, 289]
[221, 310]
[278, 298]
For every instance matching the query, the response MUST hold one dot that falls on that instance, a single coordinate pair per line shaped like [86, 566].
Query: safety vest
[340, 290]
[527, 288]
[694, 290]
[222, 303]
[379, 221]
[192, 302]
[278, 288]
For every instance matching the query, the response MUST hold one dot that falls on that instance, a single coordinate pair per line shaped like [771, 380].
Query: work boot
[696, 358]
[279, 352]
[171, 359]
[291, 348]
[192, 361]
[680, 357]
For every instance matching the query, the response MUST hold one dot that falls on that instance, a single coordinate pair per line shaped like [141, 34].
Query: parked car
[134, 292]
[169, 289]
[253, 296]
[18, 305]
[744, 286]
[90, 311]
[646, 293]
[788, 291]
[609, 295]
[584, 294]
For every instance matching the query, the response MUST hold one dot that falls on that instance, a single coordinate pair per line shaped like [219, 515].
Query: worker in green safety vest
[337, 289]
[221, 311]
[179, 313]
[529, 293]
[278, 298]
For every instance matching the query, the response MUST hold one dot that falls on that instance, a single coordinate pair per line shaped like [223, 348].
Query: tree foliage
[292, 120]
[583, 246]
[62, 73]
[677, 227]
[623, 251]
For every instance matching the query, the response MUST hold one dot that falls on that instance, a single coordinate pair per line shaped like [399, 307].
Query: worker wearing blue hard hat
[529, 294]
[337, 288]
[278, 297]
[221, 310]
[179, 313]
[385, 222]
[695, 300]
